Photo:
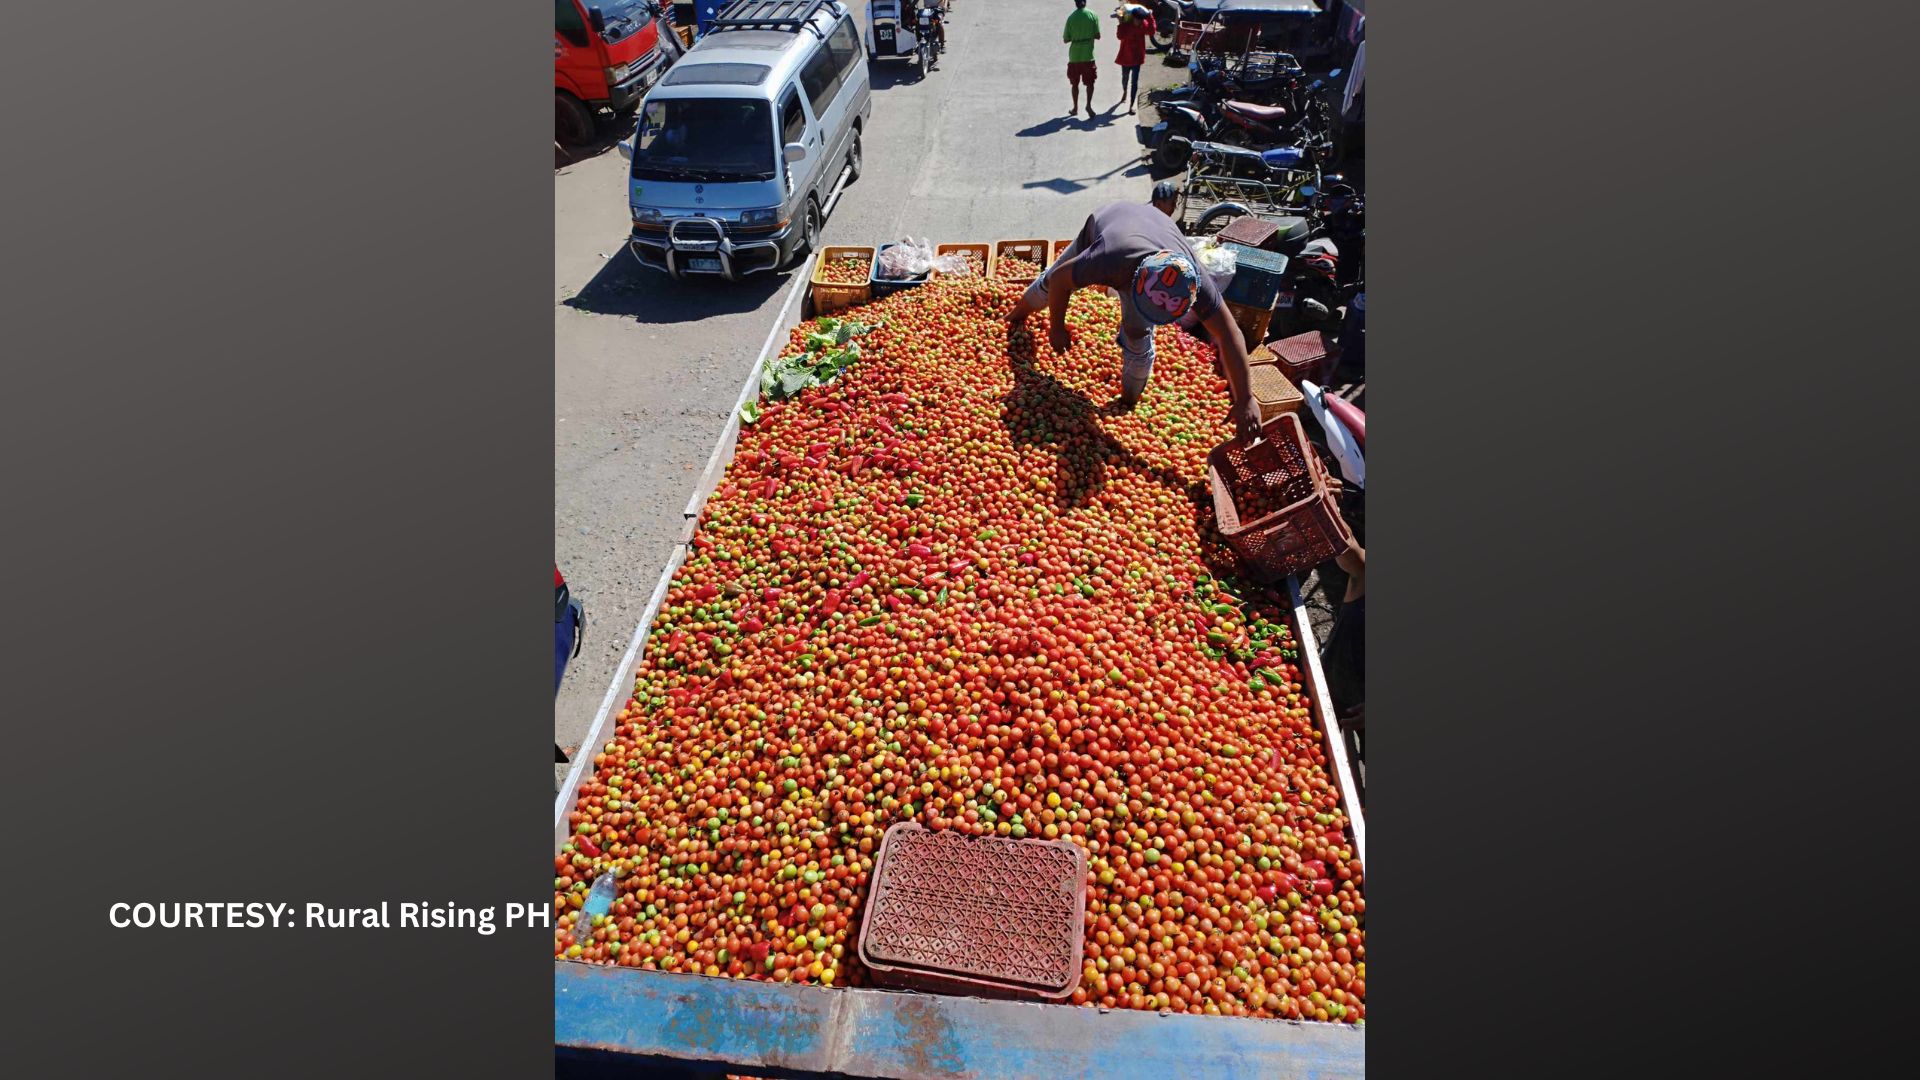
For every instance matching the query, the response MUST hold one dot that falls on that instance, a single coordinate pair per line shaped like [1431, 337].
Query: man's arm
[1233, 359]
[1060, 290]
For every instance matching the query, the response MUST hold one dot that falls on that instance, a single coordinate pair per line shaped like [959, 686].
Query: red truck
[605, 56]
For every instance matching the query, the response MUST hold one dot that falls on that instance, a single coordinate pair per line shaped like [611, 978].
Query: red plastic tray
[1302, 356]
[977, 915]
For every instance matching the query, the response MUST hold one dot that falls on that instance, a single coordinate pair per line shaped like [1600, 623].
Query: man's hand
[1246, 417]
[1060, 338]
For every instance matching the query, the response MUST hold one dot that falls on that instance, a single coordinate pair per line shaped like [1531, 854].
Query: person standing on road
[1136, 24]
[1136, 250]
[1082, 30]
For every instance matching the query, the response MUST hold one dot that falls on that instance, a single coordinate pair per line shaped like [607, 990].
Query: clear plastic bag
[906, 260]
[1218, 259]
[954, 264]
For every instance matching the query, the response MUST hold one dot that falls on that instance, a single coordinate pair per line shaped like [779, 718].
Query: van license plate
[704, 264]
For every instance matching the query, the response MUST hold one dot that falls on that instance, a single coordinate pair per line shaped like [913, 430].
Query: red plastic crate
[981, 915]
[1302, 357]
[1274, 501]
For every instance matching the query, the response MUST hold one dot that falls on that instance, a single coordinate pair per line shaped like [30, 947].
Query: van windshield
[625, 18]
[704, 140]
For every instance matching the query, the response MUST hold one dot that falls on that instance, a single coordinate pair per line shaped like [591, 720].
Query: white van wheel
[811, 237]
[853, 158]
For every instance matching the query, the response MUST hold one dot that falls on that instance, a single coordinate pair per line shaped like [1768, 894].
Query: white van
[742, 148]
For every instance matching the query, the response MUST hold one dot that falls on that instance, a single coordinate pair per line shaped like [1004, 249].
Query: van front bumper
[675, 248]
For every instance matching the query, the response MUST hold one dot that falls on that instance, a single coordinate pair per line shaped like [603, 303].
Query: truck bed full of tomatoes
[958, 584]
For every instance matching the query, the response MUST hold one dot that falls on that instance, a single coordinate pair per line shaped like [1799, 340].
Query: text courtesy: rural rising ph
[199, 915]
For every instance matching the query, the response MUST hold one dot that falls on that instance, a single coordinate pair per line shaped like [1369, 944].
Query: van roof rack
[769, 15]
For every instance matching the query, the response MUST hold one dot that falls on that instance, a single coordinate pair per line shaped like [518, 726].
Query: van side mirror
[597, 19]
[626, 148]
[794, 153]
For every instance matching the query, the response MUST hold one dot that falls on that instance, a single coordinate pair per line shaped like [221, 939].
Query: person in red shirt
[1136, 25]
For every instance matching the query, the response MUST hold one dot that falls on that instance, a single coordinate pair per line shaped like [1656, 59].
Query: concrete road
[645, 369]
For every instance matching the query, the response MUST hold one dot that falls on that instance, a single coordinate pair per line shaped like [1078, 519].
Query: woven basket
[1271, 389]
[1253, 322]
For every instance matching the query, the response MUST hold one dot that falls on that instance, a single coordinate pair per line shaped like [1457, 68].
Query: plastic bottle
[599, 902]
[600, 897]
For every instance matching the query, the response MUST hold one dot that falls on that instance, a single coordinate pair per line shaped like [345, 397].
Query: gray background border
[279, 437]
[1650, 259]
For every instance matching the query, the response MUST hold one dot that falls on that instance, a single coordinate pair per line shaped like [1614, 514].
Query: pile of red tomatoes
[961, 585]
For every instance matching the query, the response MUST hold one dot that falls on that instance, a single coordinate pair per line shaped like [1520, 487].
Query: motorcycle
[1276, 165]
[1241, 123]
[931, 36]
[1311, 289]
[894, 34]
[1212, 74]
[1273, 123]
[1222, 152]
[1166, 24]
[1342, 213]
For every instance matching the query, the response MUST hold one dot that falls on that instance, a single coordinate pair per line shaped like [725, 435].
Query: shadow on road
[624, 287]
[1045, 127]
[886, 76]
[1078, 122]
[1064, 186]
[608, 130]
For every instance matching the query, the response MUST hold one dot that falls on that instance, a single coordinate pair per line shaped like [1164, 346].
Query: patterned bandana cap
[1163, 287]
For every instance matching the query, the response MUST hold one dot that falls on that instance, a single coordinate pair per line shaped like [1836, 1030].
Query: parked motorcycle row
[1255, 136]
[1272, 120]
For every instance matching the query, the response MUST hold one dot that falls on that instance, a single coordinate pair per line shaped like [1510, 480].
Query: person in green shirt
[1083, 29]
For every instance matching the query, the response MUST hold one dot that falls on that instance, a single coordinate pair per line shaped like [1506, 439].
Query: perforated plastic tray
[954, 913]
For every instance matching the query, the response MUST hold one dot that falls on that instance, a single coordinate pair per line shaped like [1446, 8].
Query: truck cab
[606, 53]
